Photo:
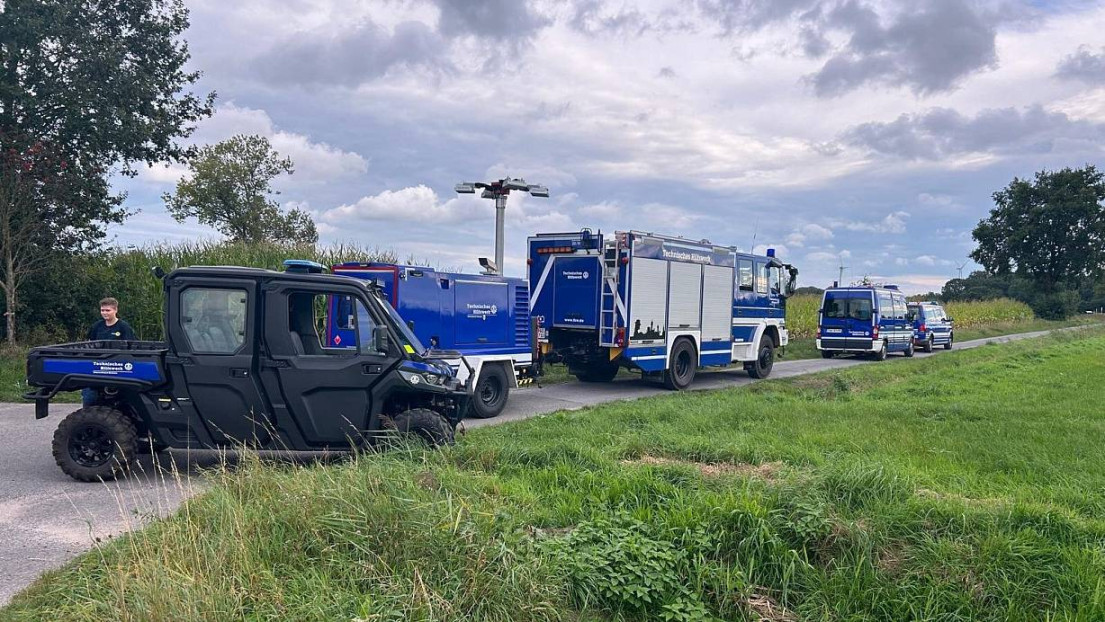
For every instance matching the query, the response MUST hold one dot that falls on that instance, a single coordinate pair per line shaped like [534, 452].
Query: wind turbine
[840, 279]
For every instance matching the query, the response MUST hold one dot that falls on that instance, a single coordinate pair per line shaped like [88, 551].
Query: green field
[968, 486]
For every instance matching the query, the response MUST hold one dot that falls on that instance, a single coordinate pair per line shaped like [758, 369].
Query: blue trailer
[485, 319]
[658, 304]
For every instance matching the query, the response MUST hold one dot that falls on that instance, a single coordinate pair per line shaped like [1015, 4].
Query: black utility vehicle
[243, 365]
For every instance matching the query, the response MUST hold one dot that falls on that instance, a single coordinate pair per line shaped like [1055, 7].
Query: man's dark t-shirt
[120, 330]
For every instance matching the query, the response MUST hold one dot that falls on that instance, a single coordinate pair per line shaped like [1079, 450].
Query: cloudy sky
[868, 133]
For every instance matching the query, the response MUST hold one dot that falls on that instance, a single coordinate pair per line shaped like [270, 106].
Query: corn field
[802, 314]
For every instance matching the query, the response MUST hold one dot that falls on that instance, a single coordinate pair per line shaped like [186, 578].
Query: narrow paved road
[46, 518]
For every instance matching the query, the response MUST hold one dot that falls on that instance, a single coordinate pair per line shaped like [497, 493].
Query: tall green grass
[956, 487]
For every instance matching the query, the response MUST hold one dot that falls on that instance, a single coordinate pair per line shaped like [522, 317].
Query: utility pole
[499, 190]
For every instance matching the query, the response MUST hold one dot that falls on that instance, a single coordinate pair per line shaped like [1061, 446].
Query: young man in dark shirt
[109, 328]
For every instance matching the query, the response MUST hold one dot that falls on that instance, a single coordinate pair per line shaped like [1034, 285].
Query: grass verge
[962, 487]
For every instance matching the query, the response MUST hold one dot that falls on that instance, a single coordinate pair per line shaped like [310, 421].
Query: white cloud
[824, 257]
[892, 223]
[314, 162]
[605, 211]
[416, 205]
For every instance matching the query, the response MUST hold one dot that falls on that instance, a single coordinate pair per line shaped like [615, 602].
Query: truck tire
[909, 350]
[96, 443]
[426, 425]
[765, 358]
[682, 366]
[827, 354]
[491, 392]
[948, 346]
[597, 372]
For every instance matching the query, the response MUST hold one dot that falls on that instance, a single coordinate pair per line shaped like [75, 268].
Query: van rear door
[834, 321]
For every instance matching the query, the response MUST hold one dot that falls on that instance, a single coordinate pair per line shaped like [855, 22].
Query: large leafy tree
[88, 88]
[1050, 230]
[230, 188]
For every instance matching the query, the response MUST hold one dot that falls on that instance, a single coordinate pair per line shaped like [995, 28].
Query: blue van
[931, 326]
[870, 320]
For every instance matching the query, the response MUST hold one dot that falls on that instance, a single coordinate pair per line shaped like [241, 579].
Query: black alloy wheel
[90, 445]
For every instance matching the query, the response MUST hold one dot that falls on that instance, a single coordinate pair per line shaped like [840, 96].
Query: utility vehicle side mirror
[380, 339]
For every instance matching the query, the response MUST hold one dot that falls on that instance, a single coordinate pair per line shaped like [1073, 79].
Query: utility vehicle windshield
[406, 335]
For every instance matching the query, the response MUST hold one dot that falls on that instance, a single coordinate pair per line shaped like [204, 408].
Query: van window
[746, 280]
[899, 307]
[934, 314]
[847, 305]
[886, 305]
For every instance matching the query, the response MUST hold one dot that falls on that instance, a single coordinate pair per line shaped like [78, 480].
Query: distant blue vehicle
[931, 326]
[868, 320]
[484, 319]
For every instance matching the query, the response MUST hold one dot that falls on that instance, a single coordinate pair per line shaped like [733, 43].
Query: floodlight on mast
[499, 190]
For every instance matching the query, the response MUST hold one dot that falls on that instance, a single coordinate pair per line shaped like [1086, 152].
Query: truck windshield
[847, 305]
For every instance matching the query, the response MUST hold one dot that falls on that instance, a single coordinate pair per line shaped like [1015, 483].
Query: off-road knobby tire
[682, 366]
[597, 372]
[425, 425]
[951, 338]
[491, 392]
[928, 344]
[881, 354]
[765, 358]
[909, 350]
[827, 354]
[115, 427]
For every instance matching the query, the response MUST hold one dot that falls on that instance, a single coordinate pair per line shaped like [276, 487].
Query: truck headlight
[416, 378]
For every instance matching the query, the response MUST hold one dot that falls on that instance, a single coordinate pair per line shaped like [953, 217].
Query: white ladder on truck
[608, 299]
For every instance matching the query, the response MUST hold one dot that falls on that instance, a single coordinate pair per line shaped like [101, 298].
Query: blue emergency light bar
[303, 266]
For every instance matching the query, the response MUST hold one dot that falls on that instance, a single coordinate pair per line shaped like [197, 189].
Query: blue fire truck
[659, 304]
[483, 319]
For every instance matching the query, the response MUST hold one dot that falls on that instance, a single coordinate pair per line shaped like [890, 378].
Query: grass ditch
[961, 487]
